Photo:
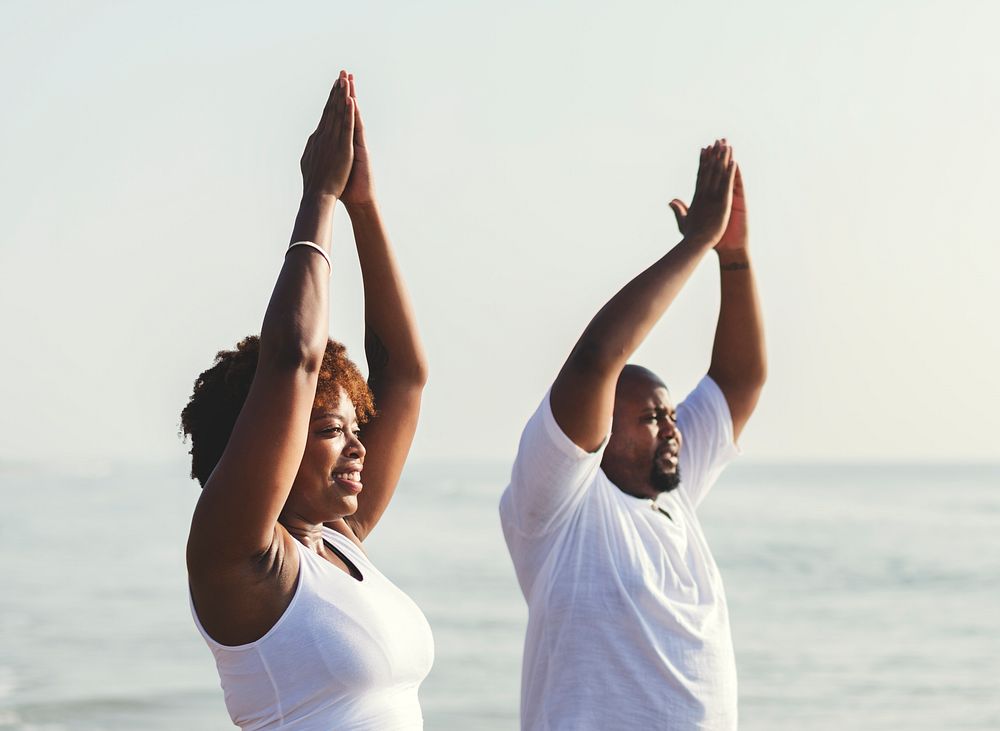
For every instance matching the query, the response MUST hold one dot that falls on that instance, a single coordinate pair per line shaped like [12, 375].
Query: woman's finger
[337, 113]
[347, 124]
[359, 125]
[337, 94]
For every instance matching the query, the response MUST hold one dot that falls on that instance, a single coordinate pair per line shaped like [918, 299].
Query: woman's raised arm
[397, 364]
[237, 513]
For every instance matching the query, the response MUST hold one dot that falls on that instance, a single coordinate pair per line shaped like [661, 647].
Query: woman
[306, 633]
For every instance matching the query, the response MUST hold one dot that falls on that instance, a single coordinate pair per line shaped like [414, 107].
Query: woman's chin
[347, 505]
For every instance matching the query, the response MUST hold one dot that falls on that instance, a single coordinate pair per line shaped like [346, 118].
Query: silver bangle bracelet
[311, 245]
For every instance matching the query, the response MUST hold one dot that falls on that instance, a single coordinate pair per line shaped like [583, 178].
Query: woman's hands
[360, 189]
[707, 220]
[329, 155]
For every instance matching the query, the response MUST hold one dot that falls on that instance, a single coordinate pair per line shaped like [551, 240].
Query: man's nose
[668, 429]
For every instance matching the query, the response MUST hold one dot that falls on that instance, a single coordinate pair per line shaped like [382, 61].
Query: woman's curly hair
[219, 394]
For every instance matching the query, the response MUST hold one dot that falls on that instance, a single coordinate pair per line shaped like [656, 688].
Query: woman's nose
[356, 448]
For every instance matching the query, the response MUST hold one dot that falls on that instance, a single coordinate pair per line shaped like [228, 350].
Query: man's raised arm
[583, 394]
[739, 360]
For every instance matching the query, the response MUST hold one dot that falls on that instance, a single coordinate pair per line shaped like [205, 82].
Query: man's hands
[329, 154]
[736, 236]
[713, 210]
[360, 189]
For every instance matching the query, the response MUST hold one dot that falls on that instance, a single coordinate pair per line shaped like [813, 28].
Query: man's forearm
[583, 394]
[739, 360]
[623, 323]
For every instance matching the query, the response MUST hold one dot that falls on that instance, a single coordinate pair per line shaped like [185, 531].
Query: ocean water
[862, 597]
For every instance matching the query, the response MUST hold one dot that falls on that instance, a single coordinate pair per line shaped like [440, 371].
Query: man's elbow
[744, 385]
[595, 358]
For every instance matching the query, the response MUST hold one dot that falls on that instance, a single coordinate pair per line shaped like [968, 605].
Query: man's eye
[332, 430]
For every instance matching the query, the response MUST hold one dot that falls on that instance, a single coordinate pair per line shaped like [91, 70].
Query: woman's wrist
[317, 199]
[314, 221]
[367, 207]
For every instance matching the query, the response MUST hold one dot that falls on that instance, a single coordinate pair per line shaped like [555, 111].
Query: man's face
[642, 454]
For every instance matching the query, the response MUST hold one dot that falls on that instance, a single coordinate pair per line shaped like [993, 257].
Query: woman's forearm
[392, 340]
[314, 221]
[296, 323]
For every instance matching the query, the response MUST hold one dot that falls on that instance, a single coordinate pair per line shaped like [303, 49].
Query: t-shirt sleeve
[550, 476]
[707, 432]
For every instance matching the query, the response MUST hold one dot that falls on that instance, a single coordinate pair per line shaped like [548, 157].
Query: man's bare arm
[739, 360]
[583, 394]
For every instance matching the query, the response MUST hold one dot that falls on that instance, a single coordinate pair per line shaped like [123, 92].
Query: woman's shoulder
[238, 604]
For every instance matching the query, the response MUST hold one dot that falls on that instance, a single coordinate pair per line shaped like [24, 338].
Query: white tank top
[345, 655]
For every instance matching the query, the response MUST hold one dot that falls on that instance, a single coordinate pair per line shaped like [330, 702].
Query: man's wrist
[705, 243]
[733, 260]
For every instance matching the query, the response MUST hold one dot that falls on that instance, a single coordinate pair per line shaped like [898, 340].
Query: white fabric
[346, 654]
[627, 620]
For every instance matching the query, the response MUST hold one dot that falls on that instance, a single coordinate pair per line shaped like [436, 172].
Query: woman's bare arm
[397, 364]
[236, 516]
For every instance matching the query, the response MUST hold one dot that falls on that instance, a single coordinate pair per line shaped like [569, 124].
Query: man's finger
[712, 172]
[699, 183]
[727, 153]
[738, 183]
[730, 177]
[722, 164]
[680, 212]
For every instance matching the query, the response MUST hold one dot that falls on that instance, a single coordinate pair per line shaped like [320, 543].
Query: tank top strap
[348, 547]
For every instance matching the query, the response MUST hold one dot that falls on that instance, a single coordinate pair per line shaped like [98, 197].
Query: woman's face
[329, 479]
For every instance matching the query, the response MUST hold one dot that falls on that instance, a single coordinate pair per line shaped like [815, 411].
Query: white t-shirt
[627, 620]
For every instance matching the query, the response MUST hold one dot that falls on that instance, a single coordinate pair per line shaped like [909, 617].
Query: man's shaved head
[637, 376]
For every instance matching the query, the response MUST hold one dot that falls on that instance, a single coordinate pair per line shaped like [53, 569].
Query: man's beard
[665, 481]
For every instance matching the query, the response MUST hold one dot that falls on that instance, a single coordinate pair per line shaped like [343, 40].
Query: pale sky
[524, 154]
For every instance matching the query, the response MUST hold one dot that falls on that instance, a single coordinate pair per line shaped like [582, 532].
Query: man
[628, 626]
